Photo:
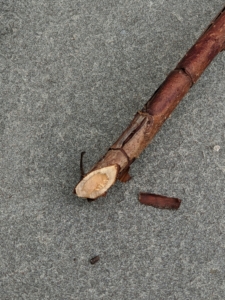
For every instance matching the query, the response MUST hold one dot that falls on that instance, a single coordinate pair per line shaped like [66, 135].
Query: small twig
[82, 174]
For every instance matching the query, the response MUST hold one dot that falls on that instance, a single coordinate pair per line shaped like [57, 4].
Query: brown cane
[147, 122]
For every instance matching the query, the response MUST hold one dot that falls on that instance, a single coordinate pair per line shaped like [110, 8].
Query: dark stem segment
[159, 201]
[148, 121]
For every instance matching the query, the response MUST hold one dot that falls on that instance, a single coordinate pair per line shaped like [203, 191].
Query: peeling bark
[159, 201]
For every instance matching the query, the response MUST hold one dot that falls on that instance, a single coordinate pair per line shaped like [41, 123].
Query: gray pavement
[73, 74]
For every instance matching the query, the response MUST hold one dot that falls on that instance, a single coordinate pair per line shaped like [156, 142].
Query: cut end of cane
[96, 183]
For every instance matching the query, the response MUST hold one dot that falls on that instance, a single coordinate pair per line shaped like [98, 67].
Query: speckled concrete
[72, 75]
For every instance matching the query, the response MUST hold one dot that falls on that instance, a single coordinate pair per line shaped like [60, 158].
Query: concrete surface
[73, 73]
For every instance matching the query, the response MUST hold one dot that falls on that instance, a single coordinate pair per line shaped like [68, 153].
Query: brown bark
[159, 201]
[149, 120]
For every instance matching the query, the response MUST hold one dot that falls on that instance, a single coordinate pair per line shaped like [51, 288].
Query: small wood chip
[159, 201]
[94, 260]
